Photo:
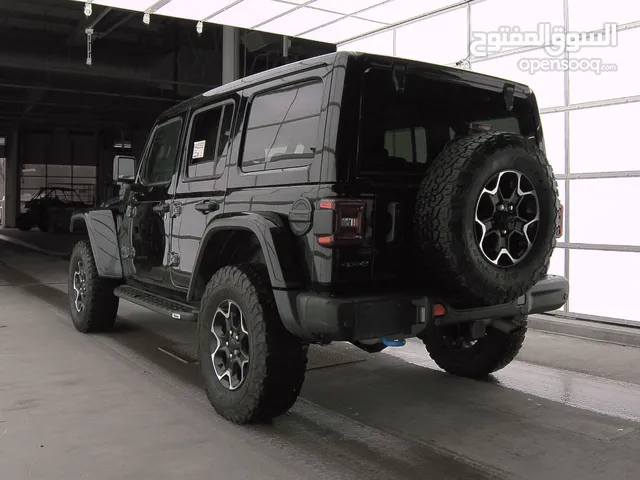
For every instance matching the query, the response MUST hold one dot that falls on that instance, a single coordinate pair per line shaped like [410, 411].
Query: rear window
[404, 132]
[282, 130]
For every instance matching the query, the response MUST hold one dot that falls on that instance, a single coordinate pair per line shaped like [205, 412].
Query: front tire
[253, 368]
[452, 351]
[92, 304]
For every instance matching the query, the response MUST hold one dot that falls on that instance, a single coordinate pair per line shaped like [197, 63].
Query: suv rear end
[390, 120]
[385, 144]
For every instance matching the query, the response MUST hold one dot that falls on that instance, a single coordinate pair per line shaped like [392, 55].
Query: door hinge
[127, 252]
[175, 209]
[174, 259]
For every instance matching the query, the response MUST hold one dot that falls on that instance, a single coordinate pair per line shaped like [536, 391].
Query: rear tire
[92, 304]
[454, 355]
[273, 377]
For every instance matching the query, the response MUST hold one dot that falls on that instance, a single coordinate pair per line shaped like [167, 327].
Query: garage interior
[62, 120]
[129, 403]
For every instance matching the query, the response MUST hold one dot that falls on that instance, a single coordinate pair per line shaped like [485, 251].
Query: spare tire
[486, 218]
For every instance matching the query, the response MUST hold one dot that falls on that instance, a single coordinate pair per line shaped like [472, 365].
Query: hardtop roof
[210, 96]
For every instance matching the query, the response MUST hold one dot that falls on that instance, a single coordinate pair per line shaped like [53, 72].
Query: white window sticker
[198, 149]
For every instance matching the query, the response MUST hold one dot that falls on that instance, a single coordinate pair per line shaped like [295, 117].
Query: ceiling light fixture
[88, 10]
[146, 18]
[199, 27]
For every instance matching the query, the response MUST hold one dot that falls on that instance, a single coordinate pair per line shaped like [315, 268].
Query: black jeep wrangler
[348, 197]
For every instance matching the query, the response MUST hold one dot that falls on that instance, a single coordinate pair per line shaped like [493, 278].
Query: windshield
[404, 132]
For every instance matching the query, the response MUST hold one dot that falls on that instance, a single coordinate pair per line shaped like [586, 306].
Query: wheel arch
[237, 239]
[77, 223]
[103, 237]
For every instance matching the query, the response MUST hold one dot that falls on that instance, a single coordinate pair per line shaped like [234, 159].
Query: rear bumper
[318, 317]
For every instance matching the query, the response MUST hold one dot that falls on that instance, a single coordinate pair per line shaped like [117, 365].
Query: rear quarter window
[282, 128]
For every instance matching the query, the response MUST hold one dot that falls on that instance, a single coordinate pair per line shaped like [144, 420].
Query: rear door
[201, 186]
[400, 135]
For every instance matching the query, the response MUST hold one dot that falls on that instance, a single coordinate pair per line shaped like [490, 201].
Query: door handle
[207, 206]
[161, 208]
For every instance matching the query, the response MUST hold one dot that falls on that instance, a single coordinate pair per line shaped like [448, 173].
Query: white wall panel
[588, 15]
[557, 262]
[381, 44]
[605, 211]
[548, 86]
[605, 283]
[490, 15]
[553, 127]
[613, 148]
[438, 39]
[589, 86]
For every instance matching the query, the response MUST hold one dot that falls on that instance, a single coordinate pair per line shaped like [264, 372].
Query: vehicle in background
[50, 209]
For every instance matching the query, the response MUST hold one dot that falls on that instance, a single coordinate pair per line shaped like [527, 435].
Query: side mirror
[124, 169]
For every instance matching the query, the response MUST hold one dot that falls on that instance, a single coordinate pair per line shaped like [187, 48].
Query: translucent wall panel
[80, 171]
[381, 44]
[490, 15]
[345, 7]
[554, 140]
[342, 30]
[399, 10]
[33, 170]
[587, 86]
[438, 39]
[59, 170]
[587, 15]
[605, 283]
[600, 152]
[557, 262]
[604, 211]
[547, 85]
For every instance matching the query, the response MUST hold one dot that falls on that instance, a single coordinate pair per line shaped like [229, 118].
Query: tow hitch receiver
[393, 343]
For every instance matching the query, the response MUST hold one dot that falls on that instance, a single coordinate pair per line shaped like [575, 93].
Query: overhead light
[199, 28]
[146, 18]
[88, 10]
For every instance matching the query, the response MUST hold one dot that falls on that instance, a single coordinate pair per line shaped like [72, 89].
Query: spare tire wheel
[486, 216]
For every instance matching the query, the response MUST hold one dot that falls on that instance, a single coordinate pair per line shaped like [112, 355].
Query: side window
[209, 142]
[409, 144]
[282, 129]
[160, 162]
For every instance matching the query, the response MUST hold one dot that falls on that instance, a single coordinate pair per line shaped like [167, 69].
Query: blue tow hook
[394, 343]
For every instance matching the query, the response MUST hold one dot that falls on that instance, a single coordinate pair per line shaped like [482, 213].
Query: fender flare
[103, 236]
[76, 218]
[274, 237]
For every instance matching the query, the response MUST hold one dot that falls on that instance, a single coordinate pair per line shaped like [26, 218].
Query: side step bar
[156, 303]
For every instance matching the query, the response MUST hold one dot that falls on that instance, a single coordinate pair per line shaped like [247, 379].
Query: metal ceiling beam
[88, 92]
[98, 74]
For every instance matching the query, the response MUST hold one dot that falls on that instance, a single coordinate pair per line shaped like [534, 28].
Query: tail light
[560, 230]
[340, 222]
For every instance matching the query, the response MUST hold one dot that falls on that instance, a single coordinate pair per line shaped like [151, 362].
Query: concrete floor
[115, 406]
